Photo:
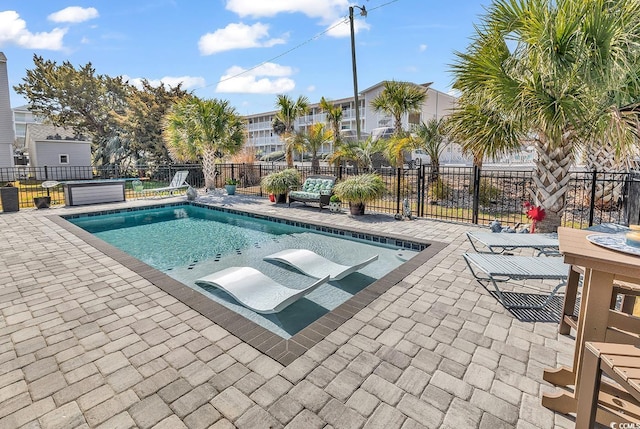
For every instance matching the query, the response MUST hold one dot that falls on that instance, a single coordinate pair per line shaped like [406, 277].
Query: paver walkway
[87, 342]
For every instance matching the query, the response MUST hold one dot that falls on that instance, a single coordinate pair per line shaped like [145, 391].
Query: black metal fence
[461, 194]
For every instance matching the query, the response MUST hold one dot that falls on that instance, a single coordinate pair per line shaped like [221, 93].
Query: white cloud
[311, 88]
[422, 47]
[13, 29]
[187, 81]
[341, 27]
[257, 81]
[74, 14]
[326, 10]
[237, 36]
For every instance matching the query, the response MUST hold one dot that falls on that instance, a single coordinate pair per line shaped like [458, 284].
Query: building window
[64, 158]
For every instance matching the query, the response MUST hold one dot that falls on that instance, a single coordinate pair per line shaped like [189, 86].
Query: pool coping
[280, 349]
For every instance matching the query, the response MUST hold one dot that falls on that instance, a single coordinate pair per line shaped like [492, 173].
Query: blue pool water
[188, 242]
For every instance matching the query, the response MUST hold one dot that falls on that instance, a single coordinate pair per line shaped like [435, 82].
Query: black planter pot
[357, 209]
[9, 199]
[42, 202]
[281, 198]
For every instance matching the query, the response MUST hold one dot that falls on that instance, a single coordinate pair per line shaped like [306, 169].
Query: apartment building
[7, 136]
[262, 137]
[22, 116]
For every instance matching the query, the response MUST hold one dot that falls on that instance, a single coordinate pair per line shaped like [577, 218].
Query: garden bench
[315, 189]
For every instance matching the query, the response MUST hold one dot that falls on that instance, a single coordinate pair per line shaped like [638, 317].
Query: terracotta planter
[357, 209]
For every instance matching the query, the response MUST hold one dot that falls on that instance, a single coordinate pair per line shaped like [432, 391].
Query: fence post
[476, 194]
[592, 204]
[419, 196]
[398, 178]
[233, 171]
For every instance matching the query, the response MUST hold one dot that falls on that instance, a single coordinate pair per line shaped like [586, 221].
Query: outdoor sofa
[315, 189]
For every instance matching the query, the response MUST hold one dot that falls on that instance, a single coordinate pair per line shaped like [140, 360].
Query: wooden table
[595, 322]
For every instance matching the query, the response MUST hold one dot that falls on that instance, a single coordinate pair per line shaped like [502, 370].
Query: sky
[244, 51]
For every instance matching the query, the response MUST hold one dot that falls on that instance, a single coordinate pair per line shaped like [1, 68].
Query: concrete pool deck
[86, 341]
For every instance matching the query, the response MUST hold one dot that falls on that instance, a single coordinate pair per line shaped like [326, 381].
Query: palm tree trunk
[435, 170]
[289, 156]
[602, 158]
[550, 178]
[209, 167]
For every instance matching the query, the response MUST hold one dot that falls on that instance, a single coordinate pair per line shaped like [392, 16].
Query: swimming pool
[188, 242]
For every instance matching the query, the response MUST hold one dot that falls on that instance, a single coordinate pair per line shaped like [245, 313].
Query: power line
[344, 20]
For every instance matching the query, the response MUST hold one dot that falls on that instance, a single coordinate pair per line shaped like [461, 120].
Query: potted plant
[42, 201]
[335, 204]
[230, 185]
[359, 190]
[280, 182]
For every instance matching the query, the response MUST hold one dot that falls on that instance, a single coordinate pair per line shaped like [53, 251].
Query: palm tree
[360, 152]
[334, 118]
[397, 99]
[289, 111]
[481, 131]
[560, 74]
[205, 129]
[396, 146]
[313, 140]
[431, 139]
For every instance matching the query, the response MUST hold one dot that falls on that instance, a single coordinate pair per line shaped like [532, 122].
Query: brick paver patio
[88, 342]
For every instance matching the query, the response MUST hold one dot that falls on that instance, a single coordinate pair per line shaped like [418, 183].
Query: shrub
[273, 156]
[361, 188]
[280, 182]
[439, 190]
[488, 193]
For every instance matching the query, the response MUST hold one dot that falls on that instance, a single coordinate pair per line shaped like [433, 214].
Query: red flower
[536, 213]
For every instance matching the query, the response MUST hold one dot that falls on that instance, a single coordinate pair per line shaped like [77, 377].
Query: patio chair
[544, 244]
[256, 291]
[493, 269]
[314, 265]
[178, 182]
[618, 403]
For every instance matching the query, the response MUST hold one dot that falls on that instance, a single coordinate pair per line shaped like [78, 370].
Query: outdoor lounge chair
[506, 242]
[178, 182]
[255, 290]
[314, 265]
[492, 268]
[316, 189]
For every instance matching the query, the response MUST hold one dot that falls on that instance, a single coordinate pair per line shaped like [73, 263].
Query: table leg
[563, 376]
[596, 309]
[569, 304]
[592, 326]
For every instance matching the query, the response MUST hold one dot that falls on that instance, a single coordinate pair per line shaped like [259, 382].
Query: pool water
[188, 242]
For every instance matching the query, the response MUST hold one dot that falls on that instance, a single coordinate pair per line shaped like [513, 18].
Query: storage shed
[66, 156]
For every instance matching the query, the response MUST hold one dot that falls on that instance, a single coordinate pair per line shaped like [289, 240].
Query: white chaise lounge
[178, 182]
[255, 290]
[314, 265]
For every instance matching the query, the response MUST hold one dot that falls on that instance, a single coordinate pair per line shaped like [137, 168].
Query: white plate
[614, 242]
